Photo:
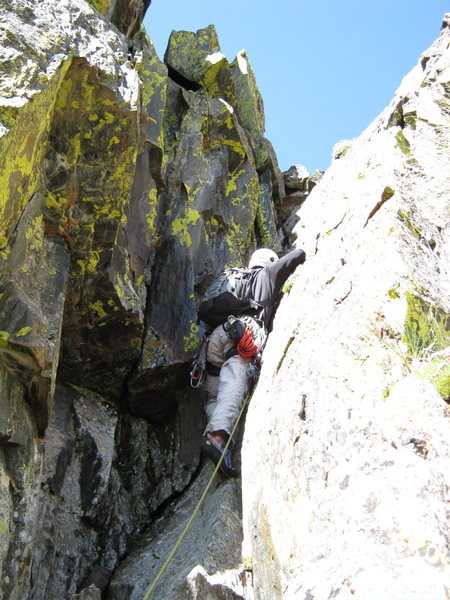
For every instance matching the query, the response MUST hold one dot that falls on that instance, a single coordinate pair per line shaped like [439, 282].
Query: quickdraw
[197, 375]
[198, 368]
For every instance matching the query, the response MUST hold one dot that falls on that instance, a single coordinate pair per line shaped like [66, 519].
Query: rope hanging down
[161, 572]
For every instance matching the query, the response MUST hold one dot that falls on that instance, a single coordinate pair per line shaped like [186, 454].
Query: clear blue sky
[325, 68]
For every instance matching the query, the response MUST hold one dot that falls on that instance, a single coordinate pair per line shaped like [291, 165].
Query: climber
[229, 360]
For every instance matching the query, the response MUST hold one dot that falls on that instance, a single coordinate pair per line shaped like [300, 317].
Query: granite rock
[345, 476]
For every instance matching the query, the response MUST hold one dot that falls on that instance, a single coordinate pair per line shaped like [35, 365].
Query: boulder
[295, 176]
[297, 180]
[298, 184]
[195, 61]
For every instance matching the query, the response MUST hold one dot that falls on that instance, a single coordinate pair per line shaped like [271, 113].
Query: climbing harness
[248, 336]
[161, 572]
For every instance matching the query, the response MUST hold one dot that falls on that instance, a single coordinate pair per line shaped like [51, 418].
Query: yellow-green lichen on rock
[192, 339]
[81, 194]
[153, 76]
[91, 162]
[266, 220]
[427, 327]
[242, 191]
[249, 109]
[215, 161]
[408, 220]
[182, 225]
[427, 335]
[130, 183]
[217, 81]
[402, 142]
[437, 371]
[236, 238]
[187, 52]
[101, 6]
[126, 15]
[249, 102]
[195, 60]
[21, 153]
[32, 289]
[151, 214]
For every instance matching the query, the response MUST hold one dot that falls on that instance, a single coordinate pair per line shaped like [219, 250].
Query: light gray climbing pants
[226, 392]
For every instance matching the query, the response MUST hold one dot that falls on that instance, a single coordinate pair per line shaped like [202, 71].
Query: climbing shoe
[212, 450]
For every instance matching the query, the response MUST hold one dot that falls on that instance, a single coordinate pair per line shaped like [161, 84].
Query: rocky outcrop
[298, 184]
[207, 564]
[127, 15]
[345, 454]
[126, 183]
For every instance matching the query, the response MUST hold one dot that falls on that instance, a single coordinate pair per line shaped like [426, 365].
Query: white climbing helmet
[263, 257]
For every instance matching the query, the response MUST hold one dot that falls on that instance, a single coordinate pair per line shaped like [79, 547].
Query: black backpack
[228, 294]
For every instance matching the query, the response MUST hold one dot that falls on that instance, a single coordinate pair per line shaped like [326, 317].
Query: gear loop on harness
[247, 336]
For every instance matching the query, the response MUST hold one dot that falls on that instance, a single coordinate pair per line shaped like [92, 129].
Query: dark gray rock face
[126, 184]
[211, 546]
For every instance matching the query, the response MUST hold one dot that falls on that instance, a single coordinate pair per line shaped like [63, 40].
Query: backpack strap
[212, 369]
